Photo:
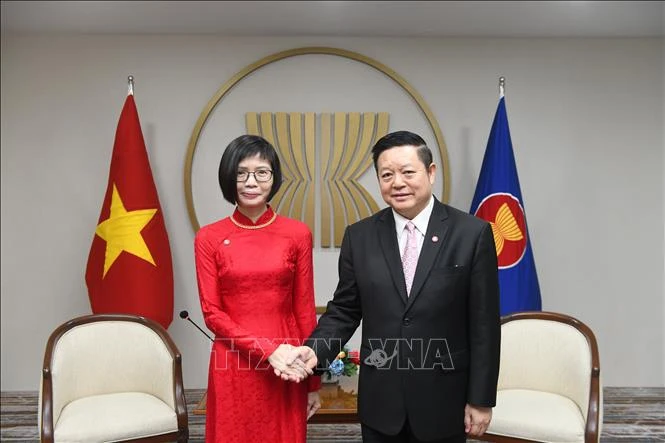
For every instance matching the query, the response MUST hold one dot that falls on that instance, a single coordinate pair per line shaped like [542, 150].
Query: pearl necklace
[262, 225]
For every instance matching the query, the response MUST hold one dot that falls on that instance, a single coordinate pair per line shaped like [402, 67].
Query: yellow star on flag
[122, 232]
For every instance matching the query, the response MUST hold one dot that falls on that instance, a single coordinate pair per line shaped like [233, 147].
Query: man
[423, 278]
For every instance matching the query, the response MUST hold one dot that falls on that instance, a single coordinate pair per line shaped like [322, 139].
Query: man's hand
[476, 420]
[306, 355]
[286, 363]
[301, 359]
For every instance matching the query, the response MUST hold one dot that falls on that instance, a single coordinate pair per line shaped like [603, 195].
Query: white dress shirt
[420, 221]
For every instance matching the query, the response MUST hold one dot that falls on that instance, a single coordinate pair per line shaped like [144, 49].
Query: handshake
[293, 363]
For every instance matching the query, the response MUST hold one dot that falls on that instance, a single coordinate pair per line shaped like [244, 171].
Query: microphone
[185, 315]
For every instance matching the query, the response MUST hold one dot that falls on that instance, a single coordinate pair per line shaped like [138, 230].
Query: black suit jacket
[426, 355]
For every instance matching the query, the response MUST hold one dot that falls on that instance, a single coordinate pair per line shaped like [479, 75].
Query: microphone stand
[185, 315]
[200, 408]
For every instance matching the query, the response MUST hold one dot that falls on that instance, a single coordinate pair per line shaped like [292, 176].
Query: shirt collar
[421, 220]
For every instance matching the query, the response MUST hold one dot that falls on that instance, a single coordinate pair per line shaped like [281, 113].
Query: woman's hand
[287, 365]
[313, 403]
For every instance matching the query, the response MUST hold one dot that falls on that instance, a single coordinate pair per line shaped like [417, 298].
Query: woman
[254, 273]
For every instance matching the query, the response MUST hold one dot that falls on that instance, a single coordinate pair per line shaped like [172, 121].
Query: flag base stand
[200, 408]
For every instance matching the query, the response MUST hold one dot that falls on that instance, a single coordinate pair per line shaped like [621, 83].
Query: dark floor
[630, 415]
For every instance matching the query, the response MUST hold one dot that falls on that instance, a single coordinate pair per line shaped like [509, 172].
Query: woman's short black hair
[402, 138]
[238, 150]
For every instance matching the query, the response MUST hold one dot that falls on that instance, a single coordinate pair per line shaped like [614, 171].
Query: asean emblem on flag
[506, 216]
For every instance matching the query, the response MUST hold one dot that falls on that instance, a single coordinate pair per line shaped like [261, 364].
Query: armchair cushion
[111, 417]
[537, 415]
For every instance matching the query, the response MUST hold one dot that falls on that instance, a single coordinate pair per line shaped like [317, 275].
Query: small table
[339, 402]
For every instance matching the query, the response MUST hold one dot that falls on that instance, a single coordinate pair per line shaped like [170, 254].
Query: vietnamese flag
[129, 268]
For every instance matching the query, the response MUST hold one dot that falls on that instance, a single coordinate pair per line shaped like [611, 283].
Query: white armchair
[549, 386]
[112, 378]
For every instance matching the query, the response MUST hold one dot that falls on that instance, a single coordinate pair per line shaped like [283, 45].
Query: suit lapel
[437, 227]
[388, 240]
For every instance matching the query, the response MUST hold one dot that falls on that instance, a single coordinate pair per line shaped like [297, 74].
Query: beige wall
[586, 118]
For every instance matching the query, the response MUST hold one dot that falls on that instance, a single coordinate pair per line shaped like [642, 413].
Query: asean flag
[498, 199]
[129, 268]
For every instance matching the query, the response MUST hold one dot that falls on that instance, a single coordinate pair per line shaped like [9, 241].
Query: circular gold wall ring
[226, 87]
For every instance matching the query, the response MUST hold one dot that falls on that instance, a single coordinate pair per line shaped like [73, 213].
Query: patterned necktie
[410, 256]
